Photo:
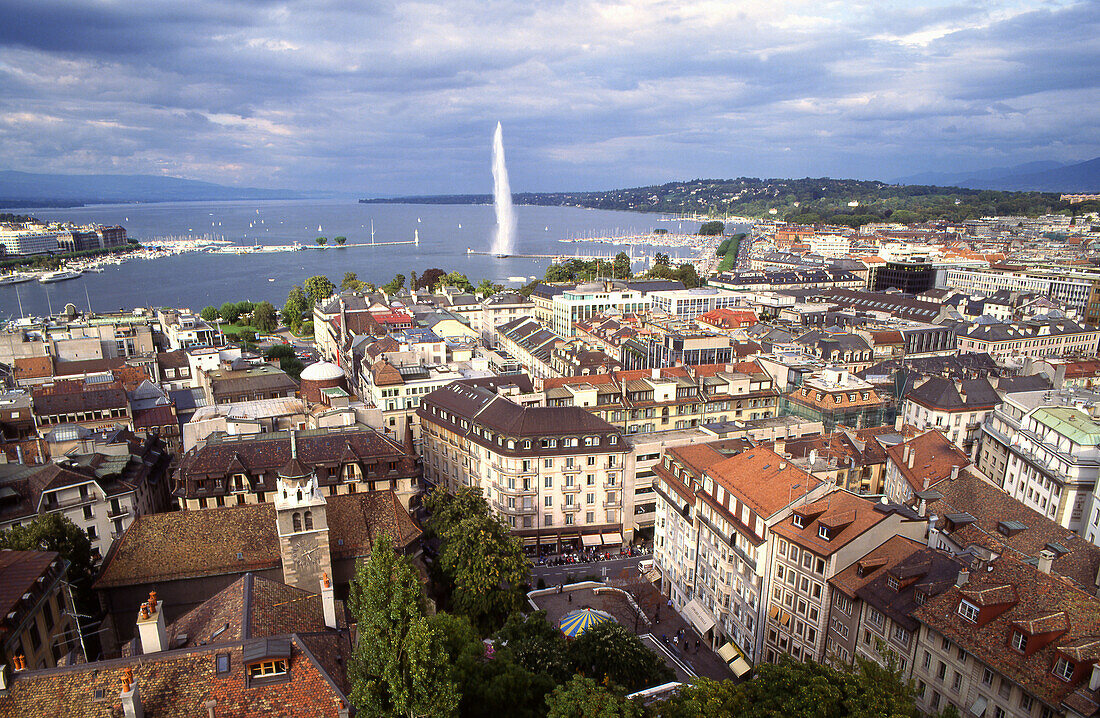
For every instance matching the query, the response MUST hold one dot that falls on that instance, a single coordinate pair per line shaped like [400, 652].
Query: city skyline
[403, 98]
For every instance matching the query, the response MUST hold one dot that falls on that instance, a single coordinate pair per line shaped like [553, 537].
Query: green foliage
[688, 276]
[245, 307]
[582, 698]
[319, 287]
[660, 230]
[481, 563]
[41, 261]
[394, 285]
[322, 241]
[662, 259]
[264, 317]
[229, 312]
[280, 351]
[306, 329]
[458, 280]
[54, 532]
[297, 303]
[293, 367]
[721, 249]
[351, 283]
[531, 641]
[340, 241]
[486, 288]
[247, 335]
[430, 279]
[810, 689]
[712, 229]
[400, 666]
[209, 313]
[613, 654]
[621, 266]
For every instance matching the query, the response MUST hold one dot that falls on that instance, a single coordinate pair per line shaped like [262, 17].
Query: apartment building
[1054, 463]
[556, 474]
[691, 303]
[816, 542]
[498, 309]
[1070, 289]
[39, 628]
[835, 397]
[870, 615]
[1010, 640]
[715, 512]
[958, 408]
[643, 401]
[588, 300]
[183, 329]
[530, 343]
[1031, 338]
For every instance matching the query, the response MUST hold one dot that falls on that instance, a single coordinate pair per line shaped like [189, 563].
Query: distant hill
[1029, 177]
[26, 189]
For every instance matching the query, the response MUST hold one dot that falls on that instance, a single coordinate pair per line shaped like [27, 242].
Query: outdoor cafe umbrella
[577, 622]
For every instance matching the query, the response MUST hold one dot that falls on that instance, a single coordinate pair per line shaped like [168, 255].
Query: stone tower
[302, 524]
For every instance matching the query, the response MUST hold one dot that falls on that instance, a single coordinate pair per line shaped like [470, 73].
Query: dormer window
[1063, 669]
[892, 583]
[1019, 641]
[798, 521]
[968, 611]
[919, 597]
[267, 669]
[823, 532]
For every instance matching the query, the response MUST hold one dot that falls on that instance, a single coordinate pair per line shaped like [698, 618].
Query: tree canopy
[209, 313]
[400, 666]
[621, 266]
[712, 229]
[351, 283]
[297, 303]
[264, 317]
[394, 285]
[322, 241]
[340, 241]
[54, 532]
[319, 287]
[582, 698]
[613, 654]
[229, 312]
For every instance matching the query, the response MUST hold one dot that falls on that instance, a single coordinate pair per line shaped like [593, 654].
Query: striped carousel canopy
[575, 623]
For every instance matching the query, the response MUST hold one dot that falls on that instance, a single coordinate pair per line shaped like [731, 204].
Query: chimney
[150, 625]
[922, 508]
[19, 663]
[210, 706]
[899, 421]
[933, 532]
[955, 472]
[905, 453]
[1046, 558]
[5, 679]
[963, 579]
[1094, 679]
[780, 446]
[912, 458]
[328, 602]
[655, 373]
[130, 697]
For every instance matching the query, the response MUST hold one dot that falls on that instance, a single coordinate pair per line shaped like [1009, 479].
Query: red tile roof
[763, 480]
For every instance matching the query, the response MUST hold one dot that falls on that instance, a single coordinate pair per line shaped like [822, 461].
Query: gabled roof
[763, 480]
[933, 458]
[943, 394]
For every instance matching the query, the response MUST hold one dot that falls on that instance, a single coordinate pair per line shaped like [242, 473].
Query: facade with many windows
[556, 474]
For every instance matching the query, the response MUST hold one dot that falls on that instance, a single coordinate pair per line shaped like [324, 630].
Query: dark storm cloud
[402, 97]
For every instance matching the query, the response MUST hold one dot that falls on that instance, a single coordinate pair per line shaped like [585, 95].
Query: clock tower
[302, 524]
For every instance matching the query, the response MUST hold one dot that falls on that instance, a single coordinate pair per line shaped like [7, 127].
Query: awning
[548, 540]
[733, 657]
[979, 706]
[728, 652]
[699, 616]
[590, 540]
[784, 618]
[740, 667]
[530, 541]
[615, 539]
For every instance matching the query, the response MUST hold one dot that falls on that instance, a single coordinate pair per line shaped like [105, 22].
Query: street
[569, 573]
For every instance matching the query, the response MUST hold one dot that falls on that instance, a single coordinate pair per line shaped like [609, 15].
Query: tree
[486, 288]
[319, 287]
[247, 336]
[399, 666]
[394, 285]
[621, 265]
[712, 229]
[297, 303]
[229, 312]
[264, 317]
[351, 282]
[582, 698]
[280, 351]
[534, 643]
[702, 697]
[482, 562]
[611, 653]
[687, 275]
[322, 241]
[340, 241]
[430, 278]
[459, 280]
[209, 313]
[54, 532]
[662, 259]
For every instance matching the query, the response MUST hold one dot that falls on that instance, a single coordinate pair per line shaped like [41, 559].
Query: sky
[387, 98]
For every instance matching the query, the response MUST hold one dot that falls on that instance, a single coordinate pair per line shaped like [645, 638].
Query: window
[548, 482]
[927, 660]
[875, 618]
[548, 464]
[1063, 669]
[296, 520]
[941, 672]
[823, 532]
[222, 660]
[92, 533]
[956, 684]
[548, 501]
[968, 611]
[798, 521]
[987, 677]
[266, 669]
[1018, 641]
[309, 520]
[901, 635]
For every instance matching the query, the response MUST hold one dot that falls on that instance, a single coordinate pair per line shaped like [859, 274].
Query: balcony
[571, 508]
[612, 504]
[117, 513]
[574, 489]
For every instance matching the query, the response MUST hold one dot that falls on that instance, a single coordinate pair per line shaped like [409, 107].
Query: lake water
[199, 279]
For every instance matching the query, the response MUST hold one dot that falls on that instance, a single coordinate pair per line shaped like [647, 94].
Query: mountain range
[27, 189]
[1031, 176]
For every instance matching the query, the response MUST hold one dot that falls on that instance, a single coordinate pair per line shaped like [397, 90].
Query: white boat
[16, 278]
[58, 276]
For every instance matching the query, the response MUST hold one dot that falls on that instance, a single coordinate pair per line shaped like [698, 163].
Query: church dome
[322, 371]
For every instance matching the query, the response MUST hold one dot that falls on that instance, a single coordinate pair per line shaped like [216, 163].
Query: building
[957, 408]
[920, 463]
[244, 417]
[836, 397]
[183, 329]
[238, 470]
[806, 278]
[30, 239]
[640, 401]
[830, 245]
[870, 615]
[1032, 338]
[910, 277]
[1071, 289]
[39, 625]
[1008, 639]
[498, 309]
[715, 511]
[816, 542]
[848, 459]
[102, 493]
[531, 344]
[555, 474]
[91, 403]
[727, 320]
[690, 303]
[588, 300]
[241, 381]
[847, 351]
